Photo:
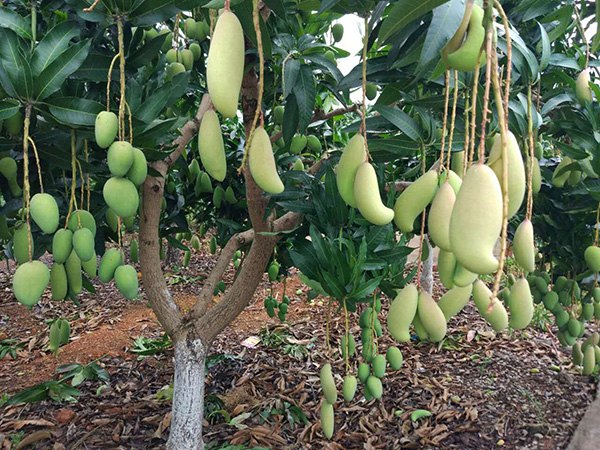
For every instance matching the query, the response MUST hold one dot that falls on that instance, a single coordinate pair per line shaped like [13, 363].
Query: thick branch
[320, 115]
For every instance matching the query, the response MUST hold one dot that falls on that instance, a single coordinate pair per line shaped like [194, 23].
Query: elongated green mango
[414, 199]
[44, 212]
[497, 315]
[420, 329]
[592, 258]
[589, 361]
[30, 281]
[328, 384]
[83, 244]
[520, 303]
[90, 267]
[138, 171]
[368, 199]
[577, 354]
[262, 163]
[516, 170]
[211, 147]
[126, 281]
[327, 419]
[119, 158]
[451, 177]
[111, 259]
[349, 387]
[453, 301]
[466, 57]
[463, 277]
[394, 358]
[432, 317]
[225, 66]
[8, 169]
[62, 244]
[58, 282]
[106, 128]
[402, 312]
[459, 35]
[560, 177]
[121, 196]
[536, 177]
[457, 163]
[21, 239]
[476, 220]
[582, 87]
[524, 246]
[353, 156]
[446, 267]
[73, 268]
[375, 387]
[438, 222]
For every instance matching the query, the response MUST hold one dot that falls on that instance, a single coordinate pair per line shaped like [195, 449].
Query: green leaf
[145, 53]
[14, 21]
[445, 22]
[402, 121]
[546, 48]
[95, 68]
[75, 111]
[290, 72]
[150, 12]
[55, 42]
[404, 12]
[52, 77]
[13, 65]
[162, 97]
[305, 92]
[291, 117]
[8, 108]
[218, 4]
[244, 13]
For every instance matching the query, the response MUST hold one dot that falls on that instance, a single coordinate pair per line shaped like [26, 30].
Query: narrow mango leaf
[16, 22]
[75, 111]
[8, 108]
[55, 42]
[404, 12]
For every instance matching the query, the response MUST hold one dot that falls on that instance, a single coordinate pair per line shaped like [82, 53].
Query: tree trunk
[188, 396]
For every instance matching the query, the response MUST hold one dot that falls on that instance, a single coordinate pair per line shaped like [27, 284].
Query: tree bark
[188, 395]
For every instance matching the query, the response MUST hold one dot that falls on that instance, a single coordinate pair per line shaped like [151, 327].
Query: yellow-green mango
[577, 354]
[106, 128]
[211, 147]
[196, 50]
[414, 199]
[476, 220]
[457, 163]
[402, 312]
[536, 177]
[438, 221]
[574, 177]
[58, 282]
[30, 281]
[62, 244]
[352, 157]
[186, 57]
[463, 277]
[298, 144]
[8, 168]
[378, 365]
[446, 268]
[349, 387]
[589, 360]
[121, 196]
[83, 244]
[453, 301]
[21, 239]
[327, 419]
[119, 158]
[44, 212]
[73, 268]
[375, 387]
[314, 144]
[138, 171]
[592, 258]
[516, 170]
[80, 218]
[90, 267]
[466, 57]
[459, 35]
[560, 177]
[111, 259]
[171, 55]
[394, 358]
[173, 69]
[126, 280]
[582, 87]
[193, 170]
[497, 316]
[364, 370]
[451, 177]
[368, 199]
[520, 303]
[420, 329]
[262, 163]
[524, 246]
[328, 384]
[134, 250]
[431, 317]
[225, 66]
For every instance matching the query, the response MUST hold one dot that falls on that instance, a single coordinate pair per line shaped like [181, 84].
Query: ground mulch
[515, 390]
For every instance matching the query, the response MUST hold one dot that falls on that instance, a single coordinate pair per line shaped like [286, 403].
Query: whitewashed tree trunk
[427, 271]
[188, 396]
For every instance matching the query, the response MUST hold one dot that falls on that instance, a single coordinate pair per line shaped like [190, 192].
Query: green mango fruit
[120, 158]
[80, 218]
[364, 370]
[21, 241]
[459, 35]
[30, 281]
[60, 331]
[134, 251]
[313, 143]
[121, 196]
[463, 277]
[262, 163]
[328, 384]
[187, 256]
[173, 69]
[327, 419]
[211, 146]
[524, 246]
[230, 196]
[560, 176]
[375, 387]
[58, 282]
[589, 361]
[298, 144]
[497, 316]
[577, 354]
[348, 347]
[337, 31]
[62, 244]
[44, 212]
[218, 195]
[368, 199]
[550, 300]
[349, 387]
[74, 277]
[592, 258]
[414, 199]
[394, 358]
[8, 169]
[196, 50]
[171, 55]
[278, 113]
[465, 58]
[126, 280]
[371, 91]
[582, 87]
[111, 259]
[138, 171]
[225, 67]
[378, 365]
[536, 177]
[457, 163]
[446, 268]
[106, 128]
[83, 244]
[193, 171]
[453, 301]
[402, 312]
[520, 303]
[352, 157]
[438, 220]
[431, 317]
[90, 267]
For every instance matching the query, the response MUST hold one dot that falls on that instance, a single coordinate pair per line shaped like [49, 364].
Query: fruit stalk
[529, 205]
[452, 121]
[122, 77]
[445, 119]
[474, 113]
